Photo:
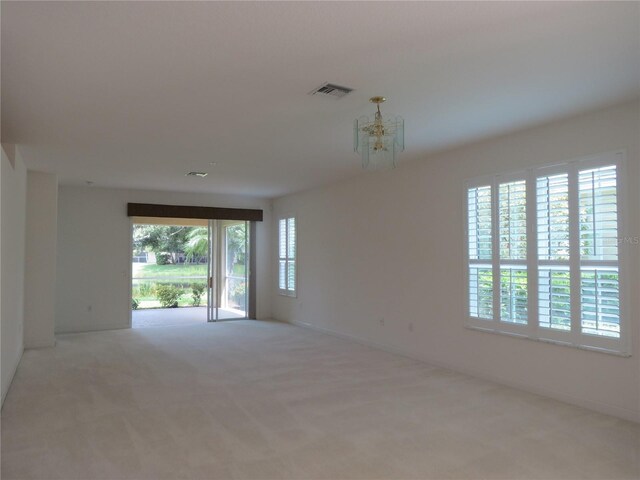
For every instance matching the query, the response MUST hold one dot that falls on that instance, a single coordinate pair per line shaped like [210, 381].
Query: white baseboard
[13, 374]
[45, 344]
[105, 328]
[604, 408]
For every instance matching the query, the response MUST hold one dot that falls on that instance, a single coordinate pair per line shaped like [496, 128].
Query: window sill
[287, 294]
[589, 348]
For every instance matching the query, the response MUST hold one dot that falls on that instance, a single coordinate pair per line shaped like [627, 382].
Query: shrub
[163, 258]
[135, 303]
[168, 295]
[145, 289]
[237, 292]
[196, 293]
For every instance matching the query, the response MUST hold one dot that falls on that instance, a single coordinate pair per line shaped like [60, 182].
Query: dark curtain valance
[184, 211]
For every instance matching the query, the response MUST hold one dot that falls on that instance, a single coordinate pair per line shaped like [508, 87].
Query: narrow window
[287, 256]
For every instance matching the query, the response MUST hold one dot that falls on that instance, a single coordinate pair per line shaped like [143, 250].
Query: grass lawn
[147, 270]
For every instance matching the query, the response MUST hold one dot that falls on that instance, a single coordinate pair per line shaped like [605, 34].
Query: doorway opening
[188, 271]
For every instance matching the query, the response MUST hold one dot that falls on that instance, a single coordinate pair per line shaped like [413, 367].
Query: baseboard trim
[35, 345]
[13, 374]
[599, 407]
[89, 330]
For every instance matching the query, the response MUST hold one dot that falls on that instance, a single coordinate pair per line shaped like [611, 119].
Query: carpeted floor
[262, 400]
[172, 317]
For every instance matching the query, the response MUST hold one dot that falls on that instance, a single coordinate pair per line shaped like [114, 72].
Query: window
[543, 254]
[287, 256]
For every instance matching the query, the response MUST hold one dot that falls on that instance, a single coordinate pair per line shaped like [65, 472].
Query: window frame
[532, 330]
[286, 292]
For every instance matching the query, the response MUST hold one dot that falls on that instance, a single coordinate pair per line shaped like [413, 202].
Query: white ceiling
[135, 94]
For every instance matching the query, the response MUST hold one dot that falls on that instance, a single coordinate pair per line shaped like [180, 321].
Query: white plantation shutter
[599, 280]
[479, 207]
[513, 294]
[282, 254]
[283, 238]
[598, 214]
[543, 252]
[481, 292]
[291, 254]
[291, 238]
[512, 211]
[600, 300]
[554, 297]
[513, 220]
[553, 236]
[479, 204]
[553, 217]
[287, 246]
[282, 275]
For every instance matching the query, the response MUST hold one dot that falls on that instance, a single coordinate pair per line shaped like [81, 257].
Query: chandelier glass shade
[378, 140]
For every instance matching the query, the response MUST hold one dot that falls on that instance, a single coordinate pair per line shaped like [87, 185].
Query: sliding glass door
[228, 285]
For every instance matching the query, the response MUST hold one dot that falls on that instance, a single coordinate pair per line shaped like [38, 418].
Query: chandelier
[378, 141]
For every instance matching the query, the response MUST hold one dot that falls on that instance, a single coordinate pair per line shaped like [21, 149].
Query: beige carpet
[265, 400]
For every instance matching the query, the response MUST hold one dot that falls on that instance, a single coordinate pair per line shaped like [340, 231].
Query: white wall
[40, 261]
[390, 246]
[94, 254]
[13, 205]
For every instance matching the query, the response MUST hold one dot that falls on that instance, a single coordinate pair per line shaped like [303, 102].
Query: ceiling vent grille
[197, 174]
[331, 90]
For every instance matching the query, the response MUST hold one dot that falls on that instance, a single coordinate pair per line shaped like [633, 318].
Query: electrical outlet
[381, 321]
[411, 326]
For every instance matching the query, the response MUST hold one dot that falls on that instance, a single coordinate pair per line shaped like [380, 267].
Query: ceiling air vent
[331, 90]
[197, 174]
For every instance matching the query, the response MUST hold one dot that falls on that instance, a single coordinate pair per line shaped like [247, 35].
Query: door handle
[210, 282]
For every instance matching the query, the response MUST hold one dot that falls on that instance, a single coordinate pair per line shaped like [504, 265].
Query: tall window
[543, 254]
[287, 256]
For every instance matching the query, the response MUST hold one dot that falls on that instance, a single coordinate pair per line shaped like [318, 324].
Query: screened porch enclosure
[186, 271]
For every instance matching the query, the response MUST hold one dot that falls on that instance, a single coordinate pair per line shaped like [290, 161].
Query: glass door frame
[212, 311]
[217, 271]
